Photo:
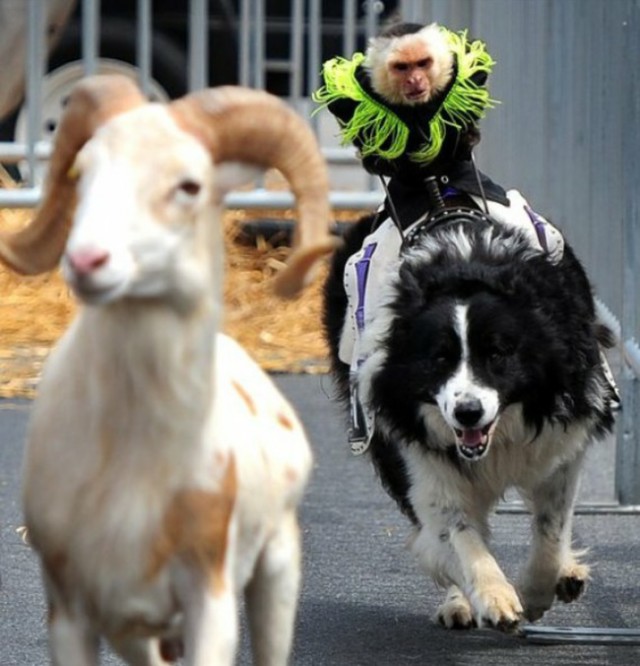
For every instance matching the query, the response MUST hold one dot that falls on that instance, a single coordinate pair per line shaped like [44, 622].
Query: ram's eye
[189, 187]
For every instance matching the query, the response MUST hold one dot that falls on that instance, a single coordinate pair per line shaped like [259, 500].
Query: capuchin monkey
[407, 106]
[409, 68]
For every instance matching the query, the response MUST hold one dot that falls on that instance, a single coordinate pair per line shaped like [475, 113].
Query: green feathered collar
[382, 132]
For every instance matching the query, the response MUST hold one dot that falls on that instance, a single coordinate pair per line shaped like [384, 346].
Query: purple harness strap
[538, 224]
[362, 272]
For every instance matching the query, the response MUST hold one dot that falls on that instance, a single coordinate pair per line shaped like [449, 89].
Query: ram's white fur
[163, 468]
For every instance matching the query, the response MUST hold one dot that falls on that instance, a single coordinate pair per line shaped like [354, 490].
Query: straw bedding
[283, 336]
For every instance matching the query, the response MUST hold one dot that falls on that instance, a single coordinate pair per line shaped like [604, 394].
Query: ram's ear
[38, 247]
[256, 128]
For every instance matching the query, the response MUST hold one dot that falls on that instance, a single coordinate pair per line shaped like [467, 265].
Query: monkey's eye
[425, 63]
[400, 66]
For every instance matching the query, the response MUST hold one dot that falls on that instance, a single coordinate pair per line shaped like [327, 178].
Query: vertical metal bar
[371, 29]
[315, 45]
[627, 467]
[315, 53]
[143, 44]
[244, 73]
[90, 32]
[631, 221]
[371, 18]
[295, 57]
[198, 44]
[34, 74]
[259, 39]
[350, 27]
[627, 480]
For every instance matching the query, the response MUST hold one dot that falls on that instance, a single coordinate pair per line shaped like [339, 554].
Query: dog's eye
[500, 348]
[498, 360]
[441, 359]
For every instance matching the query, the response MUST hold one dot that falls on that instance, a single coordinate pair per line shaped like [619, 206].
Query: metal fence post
[34, 76]
[628, 444]
[90, 32]
[198, 45]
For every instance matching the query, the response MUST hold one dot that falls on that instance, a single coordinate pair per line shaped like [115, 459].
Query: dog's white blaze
[462, 386]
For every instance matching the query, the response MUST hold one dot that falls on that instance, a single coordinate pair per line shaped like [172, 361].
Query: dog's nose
[468, 412]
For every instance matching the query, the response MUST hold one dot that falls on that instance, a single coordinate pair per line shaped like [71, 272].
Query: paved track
[364, 601]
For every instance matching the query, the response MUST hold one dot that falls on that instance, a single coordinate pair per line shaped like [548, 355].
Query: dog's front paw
[497, 605]
[572, 582]
[455, 612]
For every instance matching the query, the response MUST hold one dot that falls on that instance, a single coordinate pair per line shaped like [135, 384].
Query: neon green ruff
[380, 131]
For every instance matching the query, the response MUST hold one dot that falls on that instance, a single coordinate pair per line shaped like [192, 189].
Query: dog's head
[464, 338]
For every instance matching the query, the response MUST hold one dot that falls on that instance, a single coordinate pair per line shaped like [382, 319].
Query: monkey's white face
[411, 69]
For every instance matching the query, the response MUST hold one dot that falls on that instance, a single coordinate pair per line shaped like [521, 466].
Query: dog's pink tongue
[472, 437]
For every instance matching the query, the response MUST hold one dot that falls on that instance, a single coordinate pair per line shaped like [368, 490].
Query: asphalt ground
[364, 601]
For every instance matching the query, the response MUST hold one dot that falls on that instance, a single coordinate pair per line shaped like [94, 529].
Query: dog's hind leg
[553, 568]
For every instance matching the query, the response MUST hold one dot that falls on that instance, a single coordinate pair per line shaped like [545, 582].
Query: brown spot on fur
[285, 421]
[196, 529]
[245, 396]
[291, 474]
[219, 458]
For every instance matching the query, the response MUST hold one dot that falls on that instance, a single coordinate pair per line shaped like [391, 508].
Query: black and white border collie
[482, 370]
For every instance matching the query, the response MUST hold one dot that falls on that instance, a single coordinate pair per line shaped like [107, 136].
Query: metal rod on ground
[581, 509]
[542, 635]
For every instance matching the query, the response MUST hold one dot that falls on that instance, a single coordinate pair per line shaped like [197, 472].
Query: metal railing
[539, 131]
[253, 66]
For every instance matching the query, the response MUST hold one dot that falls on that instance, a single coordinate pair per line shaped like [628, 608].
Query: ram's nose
[85, 261]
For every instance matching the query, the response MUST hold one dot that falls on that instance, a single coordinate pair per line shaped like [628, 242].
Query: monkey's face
[411, 69]
[411, 75]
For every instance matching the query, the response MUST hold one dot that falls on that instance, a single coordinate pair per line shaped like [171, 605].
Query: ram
[163, 469]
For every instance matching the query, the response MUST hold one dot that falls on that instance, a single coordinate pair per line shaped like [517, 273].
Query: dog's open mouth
[473, 442]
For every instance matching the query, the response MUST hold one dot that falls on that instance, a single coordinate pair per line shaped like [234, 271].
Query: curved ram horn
[38, 247]
[243, 125]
